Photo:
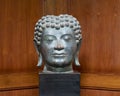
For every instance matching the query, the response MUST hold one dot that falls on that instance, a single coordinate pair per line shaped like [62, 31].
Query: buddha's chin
[59, 63]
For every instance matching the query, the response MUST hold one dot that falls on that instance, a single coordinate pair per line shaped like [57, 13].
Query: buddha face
[58, 46]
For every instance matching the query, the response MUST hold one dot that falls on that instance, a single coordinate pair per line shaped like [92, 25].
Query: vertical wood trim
[68, 6]
[48, 7]
[44, 7]
[55, 7]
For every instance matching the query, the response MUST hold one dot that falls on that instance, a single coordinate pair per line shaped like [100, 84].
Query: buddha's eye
[49, 38]
[67, 37]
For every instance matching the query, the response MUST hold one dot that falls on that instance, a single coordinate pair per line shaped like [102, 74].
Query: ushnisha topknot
[52, 21]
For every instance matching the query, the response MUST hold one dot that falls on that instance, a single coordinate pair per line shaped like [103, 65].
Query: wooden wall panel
[100, 49]
[55, 7]
[25, 80]
[35, 92]
[23, 92]
[89, 92]
[17, 21]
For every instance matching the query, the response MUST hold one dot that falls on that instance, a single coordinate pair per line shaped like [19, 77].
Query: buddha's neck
[52, 69]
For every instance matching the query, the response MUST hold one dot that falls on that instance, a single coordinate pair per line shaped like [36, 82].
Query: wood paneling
[55, 7]
[26, 80]
[100, 49]
[88, 92]
[35, 92]
[84, 92]
[100, 81]
[27, 92]
[17, 20]
[19, 80]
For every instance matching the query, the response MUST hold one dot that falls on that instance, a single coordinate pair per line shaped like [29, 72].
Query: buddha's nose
[59, 46]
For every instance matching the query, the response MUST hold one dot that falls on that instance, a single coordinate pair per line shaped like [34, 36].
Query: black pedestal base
[60, 84]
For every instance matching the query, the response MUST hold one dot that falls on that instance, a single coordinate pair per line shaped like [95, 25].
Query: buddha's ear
[39, 54]
[76, 59]
[79, 45]
[40, 60]
[36, 47]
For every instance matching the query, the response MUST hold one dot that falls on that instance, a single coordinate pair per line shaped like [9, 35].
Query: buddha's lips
[59, 54]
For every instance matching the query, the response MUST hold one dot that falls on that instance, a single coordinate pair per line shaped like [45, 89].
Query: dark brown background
[100, 49]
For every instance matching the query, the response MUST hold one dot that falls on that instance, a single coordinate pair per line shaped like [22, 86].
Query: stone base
[67, 84]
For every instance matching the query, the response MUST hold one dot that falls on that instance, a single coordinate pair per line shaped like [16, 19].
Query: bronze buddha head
[57, 40]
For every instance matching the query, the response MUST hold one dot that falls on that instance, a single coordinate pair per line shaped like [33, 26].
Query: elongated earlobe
[77, 60]
[39, 54]
[39, 60]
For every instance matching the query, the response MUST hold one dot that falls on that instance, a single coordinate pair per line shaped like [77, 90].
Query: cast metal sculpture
[57, 40]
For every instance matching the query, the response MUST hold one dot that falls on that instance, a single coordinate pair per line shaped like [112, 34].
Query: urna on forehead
[57, 22]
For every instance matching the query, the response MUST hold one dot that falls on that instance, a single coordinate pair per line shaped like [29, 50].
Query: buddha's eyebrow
[47, 35]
